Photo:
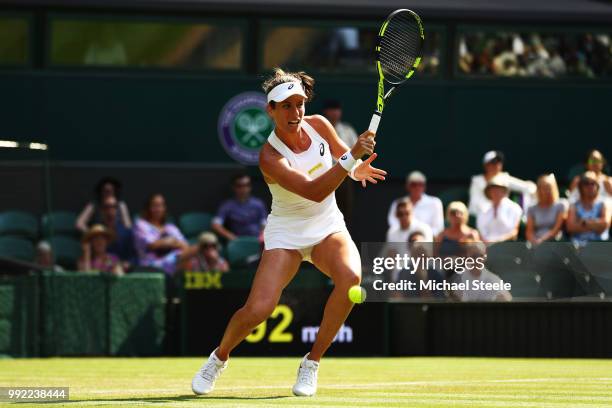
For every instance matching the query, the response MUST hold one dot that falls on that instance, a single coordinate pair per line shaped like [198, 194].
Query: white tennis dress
[296, 222]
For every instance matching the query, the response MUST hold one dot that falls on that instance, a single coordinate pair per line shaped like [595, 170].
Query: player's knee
[348, 278]
[260, 310]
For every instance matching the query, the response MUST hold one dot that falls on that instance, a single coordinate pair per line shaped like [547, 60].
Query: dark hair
[332, 104]
[280, 77]
[404, 202]
[107, 180]
[146, 209]
[239, 176]
[414, 234]
[590, 153]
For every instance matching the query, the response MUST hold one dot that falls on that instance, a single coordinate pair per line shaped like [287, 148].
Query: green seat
[59, 223]
[194, 223]
[243, 251]
[18, 223]
[16, 247]
[66, 251]
[454, 194]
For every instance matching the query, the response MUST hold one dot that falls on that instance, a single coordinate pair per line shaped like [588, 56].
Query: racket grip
[374, 122]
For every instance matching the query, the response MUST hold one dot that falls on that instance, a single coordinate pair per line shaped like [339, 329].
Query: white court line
[361, 386]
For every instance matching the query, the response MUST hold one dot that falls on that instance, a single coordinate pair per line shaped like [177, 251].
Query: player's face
[288, 114]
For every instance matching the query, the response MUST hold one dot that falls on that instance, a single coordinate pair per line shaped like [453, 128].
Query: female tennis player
[304, 225]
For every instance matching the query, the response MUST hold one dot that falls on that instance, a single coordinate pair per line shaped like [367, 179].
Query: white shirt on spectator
[346, 133]
[427, 210]
[397, 238]
[492, 224]
[479, 202]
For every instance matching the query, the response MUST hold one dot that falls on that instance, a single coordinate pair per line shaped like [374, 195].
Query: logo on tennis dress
[243, 126]
[290, 86]
[321, 149]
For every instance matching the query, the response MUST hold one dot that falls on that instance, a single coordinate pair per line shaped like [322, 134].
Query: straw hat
[208, 238]
[96, 230]
[498, 181]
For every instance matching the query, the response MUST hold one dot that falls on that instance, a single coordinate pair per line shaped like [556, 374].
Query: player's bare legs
[338, 257]
[277, 268]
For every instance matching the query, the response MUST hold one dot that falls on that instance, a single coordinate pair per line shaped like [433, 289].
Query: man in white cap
[493, 164]
[425, 208]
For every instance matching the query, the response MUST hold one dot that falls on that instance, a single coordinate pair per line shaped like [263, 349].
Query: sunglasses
[595, 161]
[238, 185]
[456, 213]
[403, 213]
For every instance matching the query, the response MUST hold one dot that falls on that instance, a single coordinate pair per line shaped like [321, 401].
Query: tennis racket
[398, 54]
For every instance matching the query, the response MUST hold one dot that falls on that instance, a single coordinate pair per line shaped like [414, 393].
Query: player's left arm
[364, 172]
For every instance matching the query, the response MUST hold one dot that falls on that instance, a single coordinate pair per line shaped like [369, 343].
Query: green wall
[442, 127]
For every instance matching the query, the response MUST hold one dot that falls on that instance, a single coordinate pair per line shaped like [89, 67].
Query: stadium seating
[193, 223]
[17, 247]
[243, 251]
[553, 263]
[18, 223]
[66, 250]
[59, 223]
[596, 259]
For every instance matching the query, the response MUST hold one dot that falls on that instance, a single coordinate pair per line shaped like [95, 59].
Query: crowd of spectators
[503, 207]
[547, 55]
[114, 242]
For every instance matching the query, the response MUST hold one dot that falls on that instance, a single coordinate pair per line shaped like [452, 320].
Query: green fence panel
[74, 314]
[137, 314]
[19, 316]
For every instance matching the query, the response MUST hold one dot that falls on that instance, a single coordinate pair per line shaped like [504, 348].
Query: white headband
[283, 91]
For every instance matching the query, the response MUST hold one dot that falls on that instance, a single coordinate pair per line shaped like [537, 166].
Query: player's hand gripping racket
[398, 54]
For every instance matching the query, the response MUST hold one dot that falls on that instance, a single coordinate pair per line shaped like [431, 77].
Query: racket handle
[374, 122]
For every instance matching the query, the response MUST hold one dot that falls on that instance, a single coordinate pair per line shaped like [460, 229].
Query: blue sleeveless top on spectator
[591, 214]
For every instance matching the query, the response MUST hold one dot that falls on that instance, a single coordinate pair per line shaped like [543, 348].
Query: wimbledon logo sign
[244, 126]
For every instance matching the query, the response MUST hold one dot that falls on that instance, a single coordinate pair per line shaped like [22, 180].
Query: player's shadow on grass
[165, 400]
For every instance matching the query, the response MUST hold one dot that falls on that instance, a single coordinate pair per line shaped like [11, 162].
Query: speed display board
[290, 330]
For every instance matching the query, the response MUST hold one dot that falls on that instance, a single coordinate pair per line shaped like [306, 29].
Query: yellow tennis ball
[357, 294]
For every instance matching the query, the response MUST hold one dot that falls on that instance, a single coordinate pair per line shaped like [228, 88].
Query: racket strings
[399, 47]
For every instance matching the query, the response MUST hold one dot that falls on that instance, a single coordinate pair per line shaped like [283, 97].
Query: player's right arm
[276, 169]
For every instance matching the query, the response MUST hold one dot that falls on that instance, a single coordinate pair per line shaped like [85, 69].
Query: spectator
[426, 208]
[123, 245]
[421, 248]
[596, 163]
[477, 250]
[589, 217]
[159, 243]
[500, 222]
[106, 187]
[332, 110]
[95, 255]
[457, 230]
[44, 257]
[493, 162]
[545, 219]
[208, 257]
[407, 224]
[243, 215]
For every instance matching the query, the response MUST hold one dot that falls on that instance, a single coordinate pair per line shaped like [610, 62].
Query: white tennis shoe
[203, 381]
[306, 384]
